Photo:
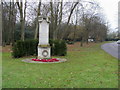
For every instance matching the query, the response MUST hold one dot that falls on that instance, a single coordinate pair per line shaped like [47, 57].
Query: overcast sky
[110, 9]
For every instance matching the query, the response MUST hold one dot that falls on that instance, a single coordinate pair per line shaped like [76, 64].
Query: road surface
[112, 48]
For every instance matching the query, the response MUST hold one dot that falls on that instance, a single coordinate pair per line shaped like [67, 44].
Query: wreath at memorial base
[45, 53]
[46, 60]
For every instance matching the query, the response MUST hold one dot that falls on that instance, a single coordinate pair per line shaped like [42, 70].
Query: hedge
[25, 48]
[29, 47]
[59, 48]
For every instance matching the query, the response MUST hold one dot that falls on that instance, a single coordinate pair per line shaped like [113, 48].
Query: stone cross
[43, 45]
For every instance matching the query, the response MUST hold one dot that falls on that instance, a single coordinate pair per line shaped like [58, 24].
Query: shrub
[18, 49]
[63, 48]
[29, 47]
[56, 47]
[25, 48]
[51, 42]
[69, 42]
[59, 48]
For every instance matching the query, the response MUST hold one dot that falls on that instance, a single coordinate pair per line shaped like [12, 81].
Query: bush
[69, 42]
[51, 42]
[29, 47]
[63, 48]
[18, 49]
[25, 48]
[60, 48]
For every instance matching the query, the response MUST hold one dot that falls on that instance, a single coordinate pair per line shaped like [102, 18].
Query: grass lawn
[0, 68]
[87, 67]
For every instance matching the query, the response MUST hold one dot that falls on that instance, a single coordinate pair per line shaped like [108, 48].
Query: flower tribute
[46, 60]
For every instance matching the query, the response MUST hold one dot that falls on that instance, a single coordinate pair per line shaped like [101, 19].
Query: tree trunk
[71, 12]
[22, 18]
[56, 23]
[1, 24]
[36, 30]
[13, 21]
[9, 23]
[3, 28]
[52, 18]
[22, 27]
[37, 24]
[81, 43]
[72, 9]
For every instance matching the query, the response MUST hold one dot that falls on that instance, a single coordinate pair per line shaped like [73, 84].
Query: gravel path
[112, 48]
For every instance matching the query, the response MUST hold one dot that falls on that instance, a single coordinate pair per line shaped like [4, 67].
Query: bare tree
[76, 22]
[60, 19]
[52, 17]
[9, 21]
[14, 12]
[38, 13]
[1, 24]
[74, 4]
[56, 17]
[22, 17]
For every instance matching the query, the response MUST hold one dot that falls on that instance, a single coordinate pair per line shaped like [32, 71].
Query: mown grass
[89, 67]
[0, 69]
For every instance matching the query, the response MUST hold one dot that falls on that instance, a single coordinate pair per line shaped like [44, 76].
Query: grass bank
[87, 67]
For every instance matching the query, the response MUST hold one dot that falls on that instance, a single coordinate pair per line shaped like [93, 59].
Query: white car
[118, 42]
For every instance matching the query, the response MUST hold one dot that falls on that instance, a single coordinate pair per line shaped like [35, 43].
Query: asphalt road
[112, 48]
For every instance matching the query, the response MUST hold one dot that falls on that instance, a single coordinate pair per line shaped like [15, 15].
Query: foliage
[25, 48]
[52, 46]
[59, 48]
[63, 48]
[112, 39]
[113, 36]
[29, 33]
[29, 47]
[69, 42]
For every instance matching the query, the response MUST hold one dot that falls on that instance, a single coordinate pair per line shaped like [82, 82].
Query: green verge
[0, 69]
[86, 68]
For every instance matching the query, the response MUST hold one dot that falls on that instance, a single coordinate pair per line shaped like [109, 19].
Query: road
[112, 48]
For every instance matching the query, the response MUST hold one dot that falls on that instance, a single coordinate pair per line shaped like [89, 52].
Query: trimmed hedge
[29, 47]
[59, 48]
[25, 48]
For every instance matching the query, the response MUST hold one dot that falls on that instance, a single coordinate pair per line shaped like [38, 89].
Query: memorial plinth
[44, 50]
[43, 45]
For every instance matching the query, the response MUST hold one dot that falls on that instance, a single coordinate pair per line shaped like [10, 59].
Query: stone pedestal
[44, 52]
[43, 46]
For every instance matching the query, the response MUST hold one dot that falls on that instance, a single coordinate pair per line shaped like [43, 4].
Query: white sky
[110, 9]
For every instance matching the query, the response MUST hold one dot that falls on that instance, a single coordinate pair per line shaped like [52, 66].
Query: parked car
[118, 42]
